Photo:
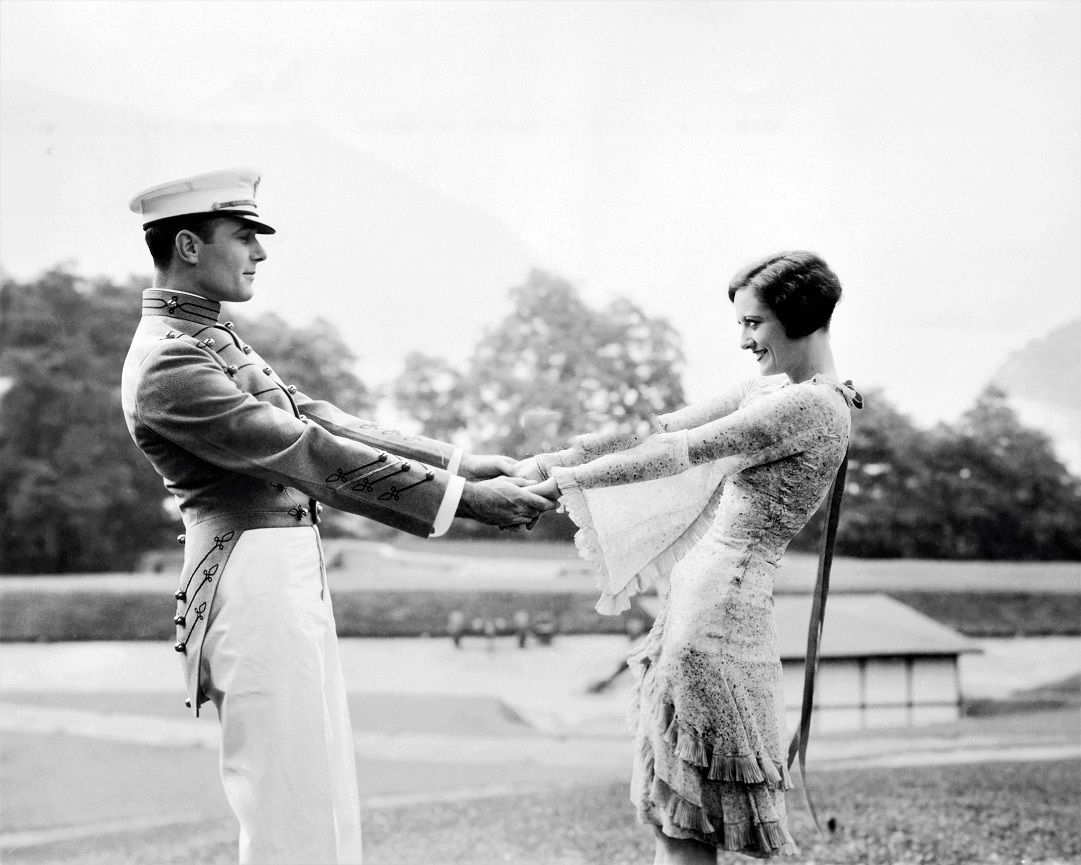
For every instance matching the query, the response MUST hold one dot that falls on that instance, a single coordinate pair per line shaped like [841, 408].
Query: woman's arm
[772, 427]
[703, 412]
[583, 448]
[591, 446]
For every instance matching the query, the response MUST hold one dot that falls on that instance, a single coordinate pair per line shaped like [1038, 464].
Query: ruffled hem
[721, 763]
[691, 787]
[587, 541]
[678, 817]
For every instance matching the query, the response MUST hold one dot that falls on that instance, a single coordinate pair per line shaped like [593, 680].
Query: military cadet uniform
[249, 459]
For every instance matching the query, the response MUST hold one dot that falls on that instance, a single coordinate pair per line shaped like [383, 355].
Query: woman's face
[762, 334]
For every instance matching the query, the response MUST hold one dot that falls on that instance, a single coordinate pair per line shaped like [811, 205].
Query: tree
[882, 513]
[999, 490]
[885, 510]
[552, 368]
[75, 492]
[985, 488]
[313, 356]
[432, 392]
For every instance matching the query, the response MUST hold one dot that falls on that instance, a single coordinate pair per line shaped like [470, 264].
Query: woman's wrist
[565, 458]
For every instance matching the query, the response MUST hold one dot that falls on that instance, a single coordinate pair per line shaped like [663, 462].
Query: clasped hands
[505, 492]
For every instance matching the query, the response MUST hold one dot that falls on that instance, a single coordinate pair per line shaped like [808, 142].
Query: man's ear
[187, 245]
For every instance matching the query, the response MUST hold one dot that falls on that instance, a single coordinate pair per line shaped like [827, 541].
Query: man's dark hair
[161, 235]
[798, 286]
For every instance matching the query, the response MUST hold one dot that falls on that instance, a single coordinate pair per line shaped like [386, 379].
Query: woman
[711, 500]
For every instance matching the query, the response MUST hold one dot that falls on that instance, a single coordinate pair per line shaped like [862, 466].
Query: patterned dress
[708, 709]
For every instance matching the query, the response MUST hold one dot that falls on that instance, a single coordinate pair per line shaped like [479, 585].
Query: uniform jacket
[241, 449]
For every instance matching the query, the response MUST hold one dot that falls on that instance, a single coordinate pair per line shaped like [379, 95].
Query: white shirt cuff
[449, 505]
[455, 461]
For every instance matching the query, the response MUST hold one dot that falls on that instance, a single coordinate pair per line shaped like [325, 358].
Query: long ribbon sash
[798, 745]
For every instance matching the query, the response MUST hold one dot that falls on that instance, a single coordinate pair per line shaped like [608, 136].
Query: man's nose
[258, 253]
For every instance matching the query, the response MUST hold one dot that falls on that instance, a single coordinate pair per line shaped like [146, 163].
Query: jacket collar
[180, 304]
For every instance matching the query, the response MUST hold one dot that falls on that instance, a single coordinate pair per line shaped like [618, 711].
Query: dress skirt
[708, 707]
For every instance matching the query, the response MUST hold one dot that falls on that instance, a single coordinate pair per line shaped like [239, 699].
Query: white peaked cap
[230, 192]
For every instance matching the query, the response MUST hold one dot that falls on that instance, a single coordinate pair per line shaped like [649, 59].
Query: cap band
[222, 205]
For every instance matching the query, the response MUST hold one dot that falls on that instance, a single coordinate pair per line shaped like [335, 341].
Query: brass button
[268, 371]
[180, 647]
[292, 388]
[179, 621]
[233, 369]
[247, 349]
[180, 539]
[209, 341]
[230, 325]
[180, 595]
[187, 703]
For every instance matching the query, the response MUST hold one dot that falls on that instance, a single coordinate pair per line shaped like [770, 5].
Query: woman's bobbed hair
[799, 287]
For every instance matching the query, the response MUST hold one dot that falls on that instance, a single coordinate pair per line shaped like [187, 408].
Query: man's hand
[479, 467]
[502, 502]
[549, 490]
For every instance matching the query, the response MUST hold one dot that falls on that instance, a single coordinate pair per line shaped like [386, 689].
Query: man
[249, 458]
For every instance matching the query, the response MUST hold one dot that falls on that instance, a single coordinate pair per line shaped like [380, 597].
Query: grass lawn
[959, 815]
[985, 813]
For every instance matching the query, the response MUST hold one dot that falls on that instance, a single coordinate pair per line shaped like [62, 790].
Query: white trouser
[270, 664]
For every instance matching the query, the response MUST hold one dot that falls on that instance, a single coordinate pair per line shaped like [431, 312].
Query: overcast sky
[929, 151]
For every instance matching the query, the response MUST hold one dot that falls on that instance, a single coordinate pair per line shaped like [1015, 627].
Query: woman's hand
[528, 469]
[547, 489]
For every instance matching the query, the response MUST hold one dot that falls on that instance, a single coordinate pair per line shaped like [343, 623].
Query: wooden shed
[881, 664]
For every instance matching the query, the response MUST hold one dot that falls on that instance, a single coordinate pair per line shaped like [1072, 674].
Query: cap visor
[260, 227]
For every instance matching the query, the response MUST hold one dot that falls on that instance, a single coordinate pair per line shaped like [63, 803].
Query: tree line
[76, 495]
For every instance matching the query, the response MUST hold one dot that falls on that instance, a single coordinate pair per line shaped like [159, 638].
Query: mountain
[395, 265]
[1043, 380]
